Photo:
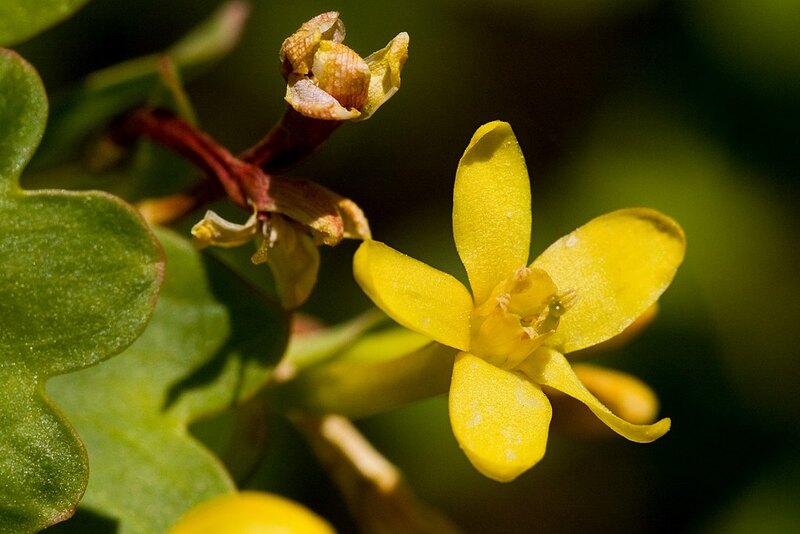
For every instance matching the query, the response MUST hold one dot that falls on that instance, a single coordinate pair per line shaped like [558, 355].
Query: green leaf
[108, 92]
[211, 343]
[21, 19]
[81, 272]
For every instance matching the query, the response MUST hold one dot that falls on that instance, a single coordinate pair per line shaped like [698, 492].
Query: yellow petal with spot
[250, 511]
[549, 367]
[492, 208]
[499, 418]
[618, 265]
[414, 294]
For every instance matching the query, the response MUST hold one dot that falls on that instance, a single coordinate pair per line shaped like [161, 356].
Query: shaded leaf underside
[210, 343]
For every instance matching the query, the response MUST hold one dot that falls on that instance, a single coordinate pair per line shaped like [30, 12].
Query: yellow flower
[329, 81]
[250, 511]
[513, 330]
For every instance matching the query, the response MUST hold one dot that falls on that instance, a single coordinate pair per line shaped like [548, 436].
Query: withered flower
[327, 80]
[301, 215]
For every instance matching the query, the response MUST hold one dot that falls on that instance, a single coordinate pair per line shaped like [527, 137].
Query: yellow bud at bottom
[251, 512]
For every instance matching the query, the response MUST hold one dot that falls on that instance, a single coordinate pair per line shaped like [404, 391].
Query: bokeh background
[688, 106]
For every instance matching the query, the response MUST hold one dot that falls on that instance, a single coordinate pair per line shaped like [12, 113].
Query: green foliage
[21, 19]
[80, 276]
[113, 90]
[690, 107]
[210, 344]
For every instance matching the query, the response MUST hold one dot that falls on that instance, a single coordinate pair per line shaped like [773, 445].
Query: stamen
[503, 300]
[557, 306]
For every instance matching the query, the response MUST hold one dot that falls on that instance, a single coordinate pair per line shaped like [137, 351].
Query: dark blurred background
[690, 107]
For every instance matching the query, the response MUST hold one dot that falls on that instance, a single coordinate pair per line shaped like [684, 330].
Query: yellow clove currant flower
[329, 81]
[513, 330]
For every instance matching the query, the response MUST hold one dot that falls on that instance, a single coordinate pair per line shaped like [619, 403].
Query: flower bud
[250, 511]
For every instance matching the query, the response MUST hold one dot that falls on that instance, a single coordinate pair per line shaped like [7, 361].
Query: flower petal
[355, 222]
[633, 330]
[618, 265]
[492, 208]
[309, 100]
[214, 230]
[629, 397]
[297, 50]
[499, 418]
[293, 259]
[311, 205]
[341, 73]
[625, 395]
[549, 367]
[385, 66]
[414, 294]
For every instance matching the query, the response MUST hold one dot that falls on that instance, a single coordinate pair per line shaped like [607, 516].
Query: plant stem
[244, 183]
[376, 493]
[293, 139]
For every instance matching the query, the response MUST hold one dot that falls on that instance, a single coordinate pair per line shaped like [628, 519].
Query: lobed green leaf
[80, 275]
[211, 343]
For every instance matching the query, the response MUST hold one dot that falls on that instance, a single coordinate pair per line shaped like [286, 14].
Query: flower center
[521, 312]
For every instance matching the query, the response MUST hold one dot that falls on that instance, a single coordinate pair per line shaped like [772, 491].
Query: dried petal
[327, 80]
[297, 51]
[293, 259]
[385, 66]
[311, 205]
[355, 222]
[214, 230]
[341, 73]
[308, 99]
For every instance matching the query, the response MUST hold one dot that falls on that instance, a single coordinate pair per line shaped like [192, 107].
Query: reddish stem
[293, 139]
[244, 183]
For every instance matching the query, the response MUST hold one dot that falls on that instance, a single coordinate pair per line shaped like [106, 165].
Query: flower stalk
[376, 492]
